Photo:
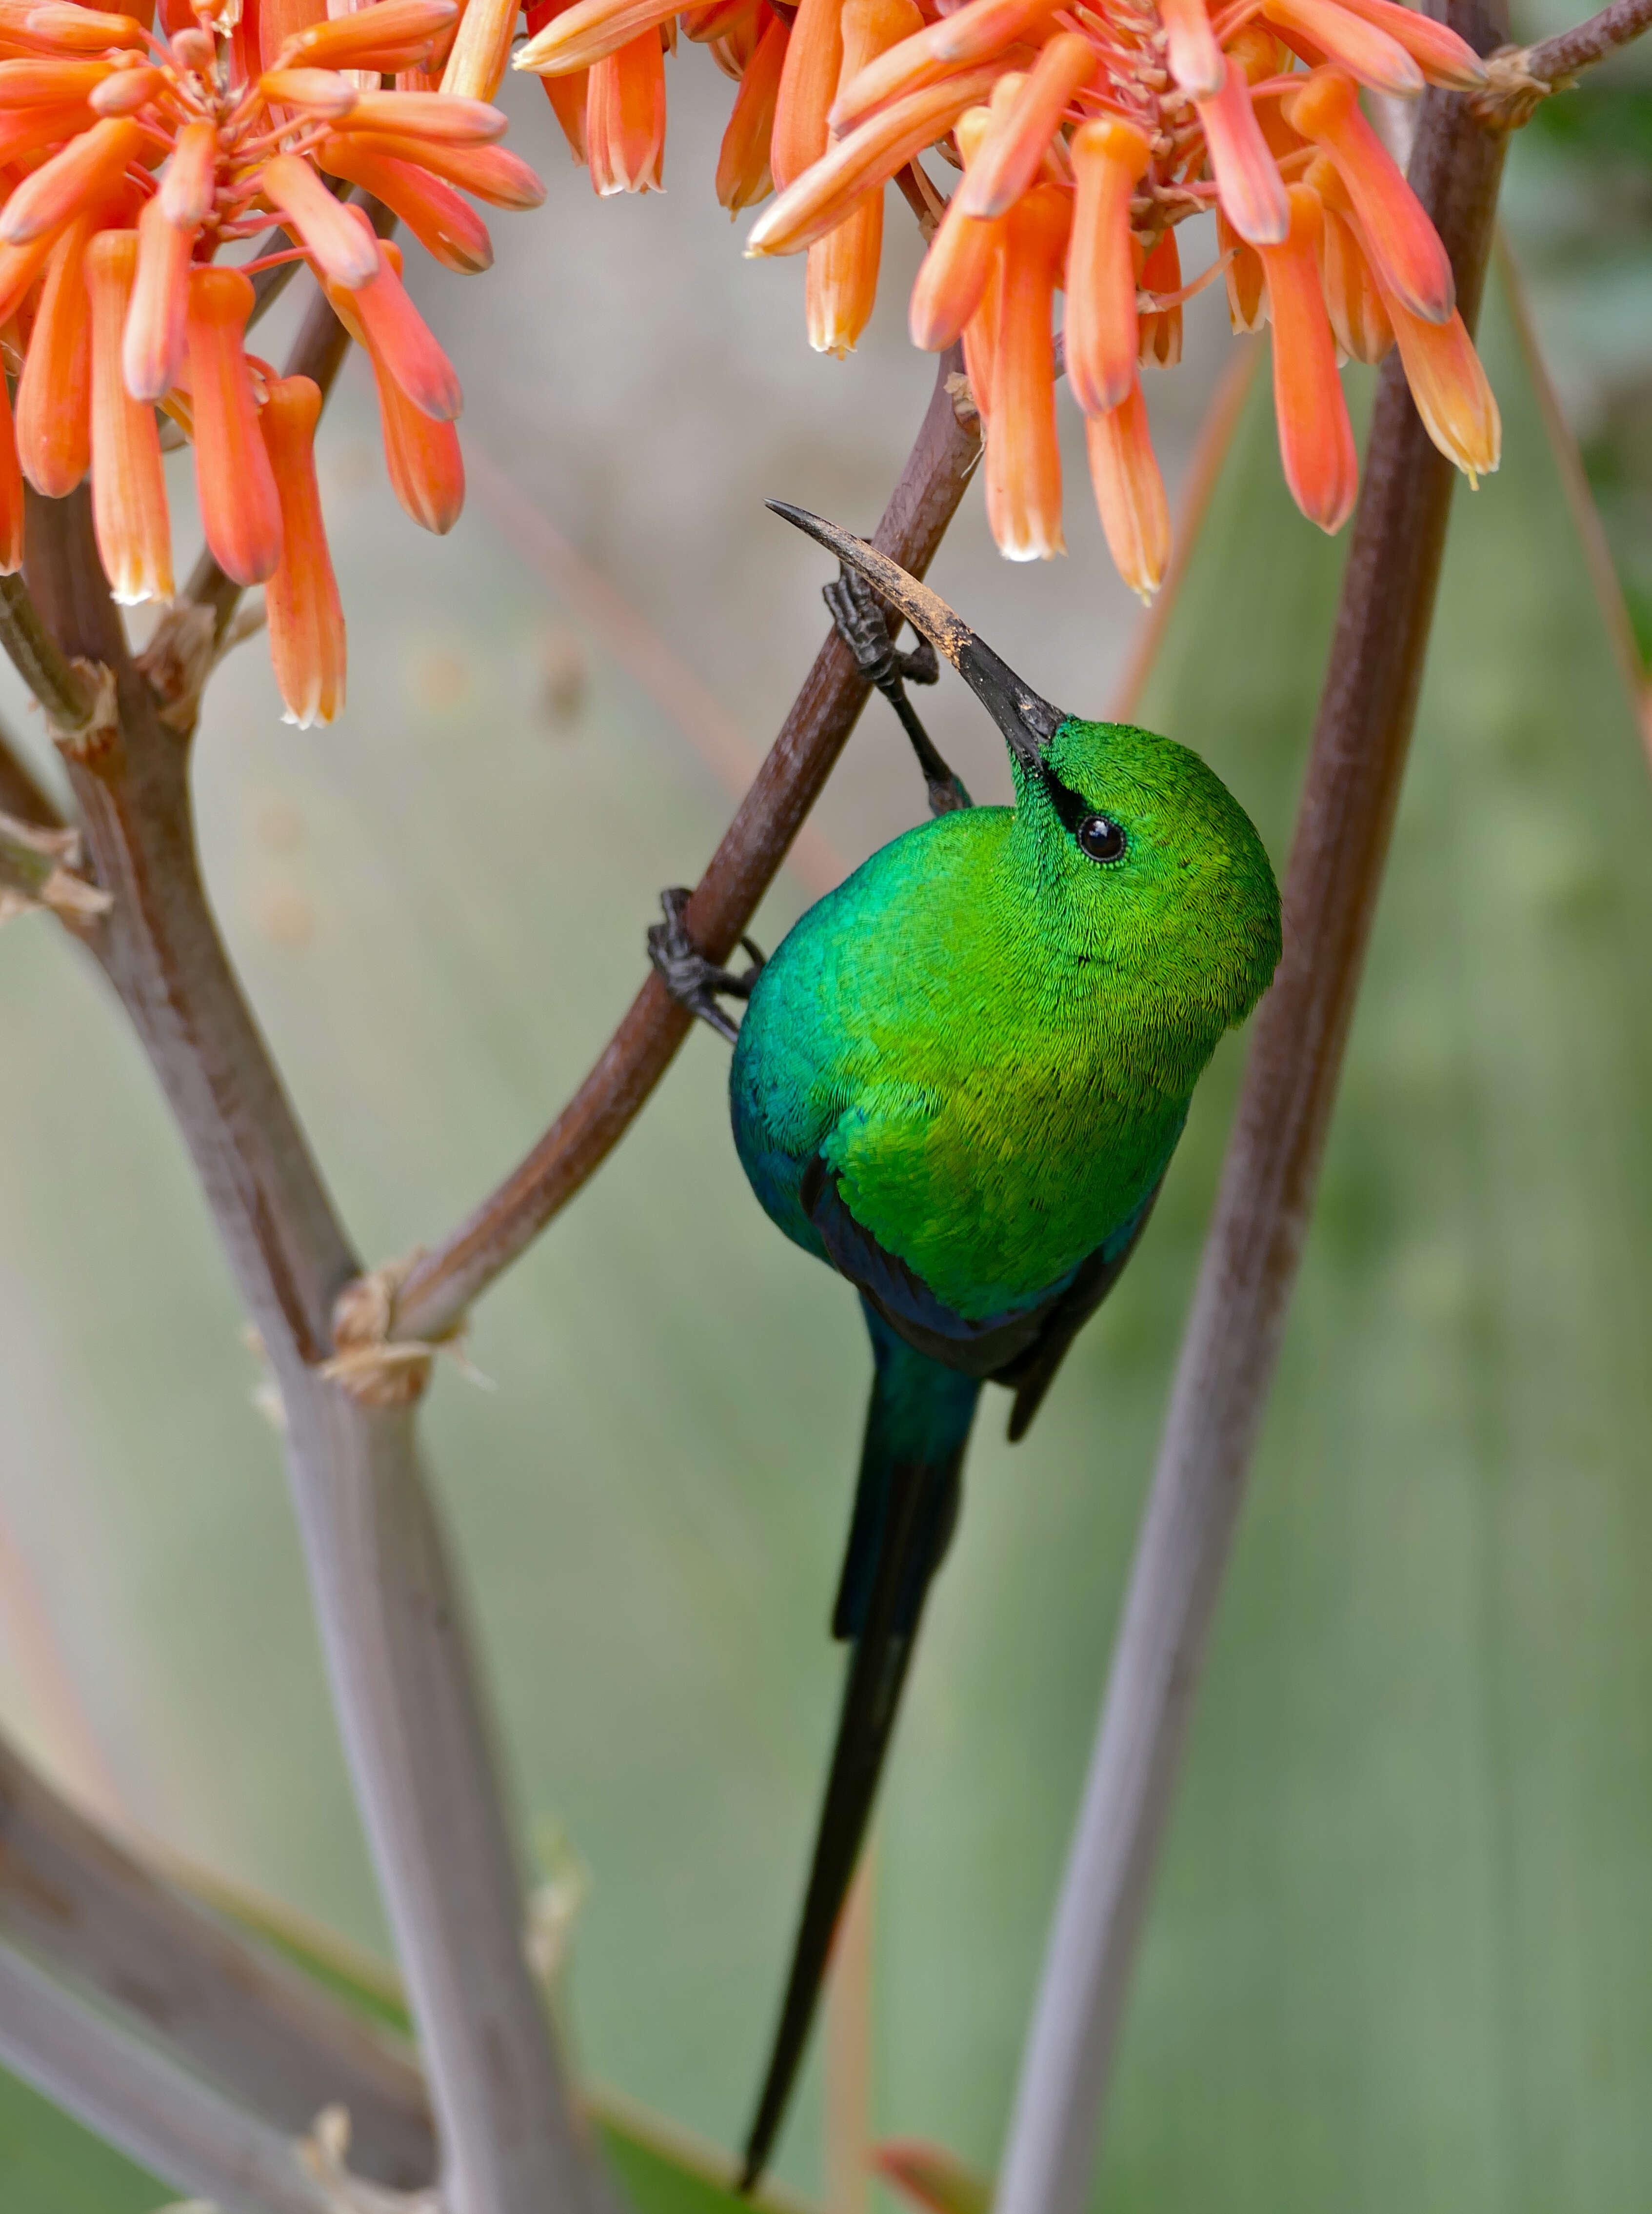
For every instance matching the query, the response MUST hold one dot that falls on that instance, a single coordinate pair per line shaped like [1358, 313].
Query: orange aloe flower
[136, 161]
[841, 284]
[1134, 115]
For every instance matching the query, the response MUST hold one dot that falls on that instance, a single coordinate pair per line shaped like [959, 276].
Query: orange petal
[1316, 440]
[808, 84]
[426, 469]
[436, 117]
[19, 267]
[743, 158]
[60, 25]
[11, 492]
[445, 226]
[841, 287]
[307, 624]
[568, 95]
[1130, 494]
[954, 272]
[25, 130]
[1194, 57]
[401, 338]
[54, 392]
[1015, 149]
[47, 81]
[126, 91]
[1351, 298]
[1443, 58]
[281, 23]
[589, 32]
[1402, 244]
[1109, 156]
[339, 242]
[1364, 50]
[978, 30]
[490, 173]
[626, 117]
[1248, 183]
[241, 511]
[153, 352]
[129, 487]
[317, 91]
[87, 167]
[871, 153]
[1449, 385]
[185, 190]
[1160, 341]
[476, 65]
[1023, 454]
[1247, 290]
[392, 36]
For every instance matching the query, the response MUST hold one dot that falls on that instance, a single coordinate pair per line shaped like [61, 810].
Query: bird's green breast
[996, 1091]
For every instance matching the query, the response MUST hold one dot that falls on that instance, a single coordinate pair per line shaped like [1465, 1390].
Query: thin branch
[173, 2125]
[1255, 1242]
[285, 2048]
[443, 1282]
[1520, 78]
[64, 693]
[391, 1622]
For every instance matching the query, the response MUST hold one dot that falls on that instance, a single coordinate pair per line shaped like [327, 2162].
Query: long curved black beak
[1027, 722]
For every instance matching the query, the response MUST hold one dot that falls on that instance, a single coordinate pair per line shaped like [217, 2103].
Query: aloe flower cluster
[135, 161]
[1083, 138]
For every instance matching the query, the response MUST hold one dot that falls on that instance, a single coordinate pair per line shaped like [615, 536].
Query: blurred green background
[1401, 1951]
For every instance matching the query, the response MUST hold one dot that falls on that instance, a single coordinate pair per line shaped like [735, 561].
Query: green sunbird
[959, 1081]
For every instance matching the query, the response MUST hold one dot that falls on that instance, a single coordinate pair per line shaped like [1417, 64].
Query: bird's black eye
[1101, 837]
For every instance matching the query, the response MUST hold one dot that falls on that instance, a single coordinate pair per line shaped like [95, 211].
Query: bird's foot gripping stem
[862, 624]
[693, 981]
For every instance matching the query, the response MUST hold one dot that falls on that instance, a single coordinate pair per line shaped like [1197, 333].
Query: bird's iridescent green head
[1142, 857]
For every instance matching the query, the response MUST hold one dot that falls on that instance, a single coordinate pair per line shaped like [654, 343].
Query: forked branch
[1523, 77]
[443, 1282]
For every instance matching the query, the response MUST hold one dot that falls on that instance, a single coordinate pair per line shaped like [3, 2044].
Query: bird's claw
[861, 622]
[691, 981]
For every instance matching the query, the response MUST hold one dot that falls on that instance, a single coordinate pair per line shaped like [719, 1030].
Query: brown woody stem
[62, 691]
[1255, 1242]
[392, 1624]
[1562, 56]
[443, 1282]
[22, 796]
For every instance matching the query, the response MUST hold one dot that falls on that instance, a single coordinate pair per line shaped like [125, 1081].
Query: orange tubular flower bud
[1248, 182]
[1194, 57]
[808, 84]
[568, 95]
[1248, 289]
[981, 332]
[743, 158]
[394, 34]
[1023, 454]
[1403, 245]
[1450, 387]
[490, 173]
[129, 488]
[241, 510]
[26, 130]
[19, 267]
[307, 624]
[66, 28]
[1361, 48]
[978, 31]
[445, 226]
[425, 467]
[437, 116]
[126, 91]
[87, 167]
[476, 65]
[955, 271]
[341, 245]
[184, 194]
[587, 33]
[842, 284]
[400, 337]
[326, 92]
[626, 117]
[1351, 298]
[869, 156]
[1015, 148]
[1130, 494]
[27, 82]
[152, 352]
[1316, 440]
[1160, 342]
[282, 23]
[1442, 57]
[1110, 157]
[54, 392]
[11, 492]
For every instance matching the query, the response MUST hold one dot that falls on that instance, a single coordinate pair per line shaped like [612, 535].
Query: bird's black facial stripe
[1072, 806]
